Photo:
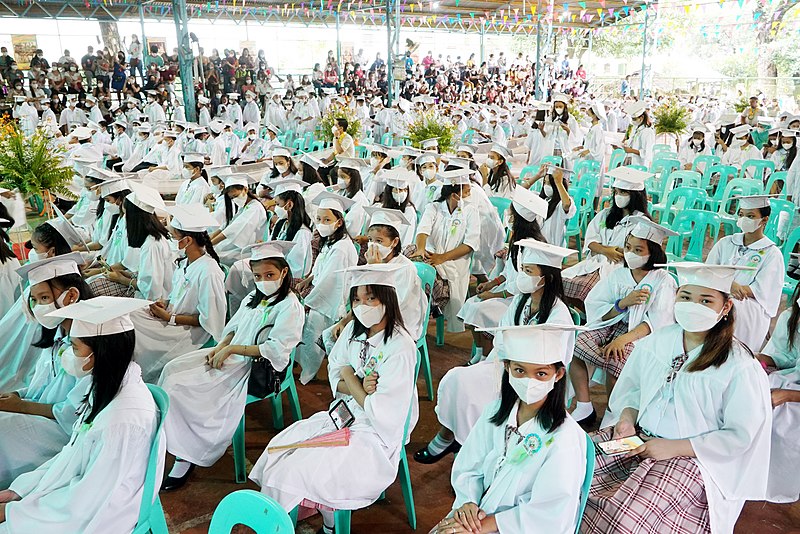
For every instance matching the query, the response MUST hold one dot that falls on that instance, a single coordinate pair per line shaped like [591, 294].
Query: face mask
[36, 256]
[491, 163]
[341, 184]
[383, 250]
[281, 212]
[41, 310]
[252, 137]
[528, 284]
[326, 229]
[697, 142]
[773, 142]
[622, 201]
[548, 190]
[374, 161]
[269, 287]
[186, 173]
[737, 143]
[787, 146]
[694, 317]
[111, 208]
[635, 261]
[282, 167]
[400, 197]
[531, 390]
[334, 130]
[428, 174]
[369, 316]
[240, 200]
[73, 365]
[748, 226]
[217, 189]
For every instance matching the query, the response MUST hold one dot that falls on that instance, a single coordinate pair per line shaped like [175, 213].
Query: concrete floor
[189, 510]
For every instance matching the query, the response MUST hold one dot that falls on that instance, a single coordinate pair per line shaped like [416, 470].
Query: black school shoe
[588, 421]
[423, 456]
[174, 483]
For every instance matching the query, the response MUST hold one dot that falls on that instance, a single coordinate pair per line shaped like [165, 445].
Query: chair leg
[578, 246]
[426, 369]
[277, 412]
[408, 494]
[158, 523]
[294, 402]
[440, 331]
[239, 467]
[293, 515]
[341, 521]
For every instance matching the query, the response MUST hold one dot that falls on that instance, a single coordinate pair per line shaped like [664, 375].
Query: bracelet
[504, 294]
[617, 308]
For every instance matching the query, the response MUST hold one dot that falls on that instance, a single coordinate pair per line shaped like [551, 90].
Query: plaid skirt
[103, 287]
[578, 288]
[441, 287]
[633, 496]
[589, 347]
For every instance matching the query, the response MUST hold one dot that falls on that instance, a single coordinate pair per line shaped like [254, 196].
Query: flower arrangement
[671, 118]
[32, 165]
[575, 112]
[337, 111]
[430, 125]
[741, 104]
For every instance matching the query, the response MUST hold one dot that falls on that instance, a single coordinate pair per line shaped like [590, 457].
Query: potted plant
[337, 111]
[431, 125]
[670, 120]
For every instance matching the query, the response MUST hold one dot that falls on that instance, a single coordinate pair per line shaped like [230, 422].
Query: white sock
[180, 468]
[438, 444]
[582, 410]
[327, 519]
[478, 356]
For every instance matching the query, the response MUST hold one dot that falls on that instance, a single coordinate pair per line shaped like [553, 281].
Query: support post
[338, 52]
[389, 56]
[539, 69]
[644, 53]
[483, 46]
[144, 37]
[185, 58]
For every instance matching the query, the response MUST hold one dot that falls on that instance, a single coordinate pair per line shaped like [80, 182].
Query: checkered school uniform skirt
[634, 496]
[104, 287]
[578, 288]
[589, 347]
[440, 294]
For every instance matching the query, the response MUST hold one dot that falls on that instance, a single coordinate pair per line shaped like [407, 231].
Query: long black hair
[718, 343]
[297, 217]
[63, 282]
[6, 252]
[356, 184]
[292, 168]
[338, 234]
[794, 317]
[47, 235]
[553, 291]
[113, 354]
[388, 201]
[114, 218]
[552, 413]
[310, 174]
[392, 233]
[202, 239]
[229, 202]
[141, 224]
[522, 228]
[500, 176]
[552, 202]
[388, 297]
[203, 173]
[286, 285]
[638, 203]
[448, 190]
[790, 154]
[656, 252]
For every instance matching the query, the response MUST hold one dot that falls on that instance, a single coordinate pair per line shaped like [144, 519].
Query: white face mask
[428, 174]
[252, 137]
[694, 317]
[280, 212]
[186, 173]
[635, 261]
[787, 146]
[773, 142]
[748, 226]
[341, 183]
[40, 312]
[217, 189]
[697, 142]
[73, 365]
[269, 287]
[737, 143]
[369, 316]
[241, 200]
[282, 167]
[491, 163]
[622, 201]
[326, 229]
[383, 250]
[111, 208]
[531, 390]
[400, 197]
[373, 161]
[334, 130]
[548, 190]
[36, 256]
[527, 284]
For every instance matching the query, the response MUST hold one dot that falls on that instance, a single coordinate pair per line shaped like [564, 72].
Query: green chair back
[779, 206]
[387, 139]
[501, 204]
[705, 160]
[724, 173]
[687, 178]
[737, 187]
[658, 148]
[467, 136]
[692, 225]
[589, 181]
[774, 178]
[584, 166]
[528, 171]
[679, 199]
[587, 480]
[253, 510]
[552, 160]
[576, 225]
[789, 245]
[617, 158]
[151, 514]
[759, 166]
[427, 277]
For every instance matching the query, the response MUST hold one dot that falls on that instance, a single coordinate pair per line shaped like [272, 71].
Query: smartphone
[103, 263]
[540, 115]
[620, 446]
[341, 415]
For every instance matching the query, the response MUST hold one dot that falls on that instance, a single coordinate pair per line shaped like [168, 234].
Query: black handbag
[264, 379]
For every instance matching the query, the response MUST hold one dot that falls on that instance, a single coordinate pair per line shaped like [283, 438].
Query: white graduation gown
[356, 216]
[537, 492]
[246, 228]
[492, 232]
[207, 404]
[597, 232]
[94, 485]
[193, 191]
[445, 232]
[724, 411]
[554, 228]
[153, 263]
[335, 476]
[643, 138]
[752, 315]
[487, 313]
[18, 356]
[197, 289]
[736, 156]
[595, 142]
[10, 286]
[84, 211]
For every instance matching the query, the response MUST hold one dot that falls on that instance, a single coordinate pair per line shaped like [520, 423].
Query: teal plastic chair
[528, 171]
[427, 277]
[663, 167]
[501, 204]
[687, 178]
[617, 158]
[759, 166]
[692, 225]
[151, 514]
[584, 166]
[660, 186]
[725, 173]
[287, 385]
[387, 139]
[779, 206]
[706, 160]
[467, 136]
[658, 148]
[587, 480]
[775, 177]
[679, 199]
[789, 245]
[361, 151]
[584, 202]
[252, 509]
[551, 160]
[589, 180]
[728, 207]
[317, 145]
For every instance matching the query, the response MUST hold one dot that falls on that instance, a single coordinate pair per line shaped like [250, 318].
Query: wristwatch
[172, 320]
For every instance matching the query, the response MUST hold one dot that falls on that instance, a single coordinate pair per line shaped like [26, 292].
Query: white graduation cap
[310, 160]
[426, 158]
[171, 133]
[540, 253]
[529, 205]
[332, 201]
[456, 177]
[741, 130]
[540, 344]
[644, 228]
[634, 109]
[411, 152]
[404, 105]
[98, 173]
[251, 126]
[356, 164]
[91, 98]
[399, 178]
[191, 218]
[121, 123]
[281, 151]
[269, 249]
[429, 144]
[387, 217]
[100, 316]
[698, 127]
[81, 132]
[373, 274]
[470, 149]
[560, 97]
[193, 157]
[220, 171]
[146, 198]
[203, 100]
[629, 178]
[216, 126]
[752, 202]
[36, 272]
[788, 133]
[719, 277]
[286, 184]
[66, 229]
[377, 101]
[109, 187]
[241, 179]
[272, 128]
[500, 150]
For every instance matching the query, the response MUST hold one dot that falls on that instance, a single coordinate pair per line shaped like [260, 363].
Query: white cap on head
[146, 198]
[428, 144]
[373, 274]
[629, 178]
[500, 150]
[203, 100]
[100, 316]
[644, 228]
[281, 151]
[539, 344]
[741, 130]
[66, 230]
[272, 128]
[269, 249]
[191, 218]
[356, 164]
[399, 177]
[599, 109]
[456, 177]
[36, 272]
[536, 252]
[466, 148]
[193, 157]
[241, 179]
[387, 217]
[252, 126]
[529, 205]
[560, 97]
[310, 160]
[634, 109]
[81, 133]
[109, 187]
[719, 277]
[286, 184]
[332, 201]
[425, 158]
[752, 202]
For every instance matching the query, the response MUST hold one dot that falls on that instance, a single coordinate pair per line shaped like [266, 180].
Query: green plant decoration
[431, 125]
[741, 104]
[33, 165]
[575, 112]
[337, 111]
[671, 118]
